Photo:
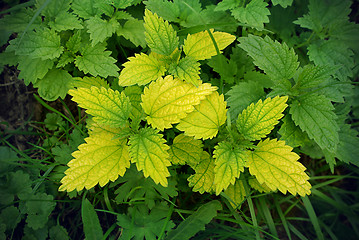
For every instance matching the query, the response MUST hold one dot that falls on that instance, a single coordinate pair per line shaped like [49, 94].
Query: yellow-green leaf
[186, 150]
[107, 106]
[257, 120]
[202, 180]
[168, 100]
[167, 60]
[149, 151]
[100, 160]
[235, 193]
[229, 163]
[187, 69]
[274, 164]
[160, 35]
[88, 82]
[206, 118]
[134, 93]
[140, 69]
[200, 45]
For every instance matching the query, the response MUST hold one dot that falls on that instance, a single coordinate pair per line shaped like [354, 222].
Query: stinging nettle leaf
[274, 58]
[45, 43]
[186, 150]
[56, 83]
[149, 151]
[291, 133]
[258, 120]
[168, 100]
[100, 29]
[235, 193]
[200, 45]
[314, 115]
[274, 163]
[108, 107]
[97, 61]
[140, 69]
[66, 21]
[187, 69]
[160, 35]
[312, 76]
[255, 14]
[33, 69]
[202, 180]
[100, 160]
[229, 163]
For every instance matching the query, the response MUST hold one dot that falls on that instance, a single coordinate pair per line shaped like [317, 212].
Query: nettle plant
[165, 115]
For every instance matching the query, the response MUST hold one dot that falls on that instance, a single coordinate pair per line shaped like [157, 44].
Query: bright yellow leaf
[273, 163]
[206, 118]
[100, 160]
[200, 45]
[168, 100]
[253, 182]
[149, 151]
[140, 69]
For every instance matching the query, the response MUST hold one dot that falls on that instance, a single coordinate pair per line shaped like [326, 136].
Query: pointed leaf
[255, 14]
[107, 106]
[100, 29]
[206, 118]
[140, 69]
[292, 134]
[274, 58]
[187, 69]
[202, 180]
[314, 115]
[100, 160]
[45, 43]
[200, 45]
[274, 164]
[160, 35]
[257, 120]
[91, 223]
[97, 61]
[149, 151]
[134, 31]
[66, 21]
[186, 150]
[242, 95]
[168, 100]
[235, 193]
[348, 147]
[33, 69]
[229, 163]
[312, 76]
[88, 82]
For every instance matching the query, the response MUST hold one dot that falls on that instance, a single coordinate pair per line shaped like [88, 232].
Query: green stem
[251, 209]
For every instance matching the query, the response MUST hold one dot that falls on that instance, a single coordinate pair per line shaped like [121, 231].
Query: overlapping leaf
[274, 58]
[107, 106]
[97, 61]
[206, 118]
[160, 35]
[257, 120]
[200, 45]
[314, 115]
[292, 134]
[255, 14]
[235, 193]
[100, 160]
[187, 69]
[168, 100]
[229, 163]
[149, 151]
[140, 69]
[253, 182]
[202, 180]
[274, 164]
[186, 150]
[100, 29]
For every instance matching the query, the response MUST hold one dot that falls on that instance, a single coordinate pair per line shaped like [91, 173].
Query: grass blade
[313, 217]
[91, 223]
